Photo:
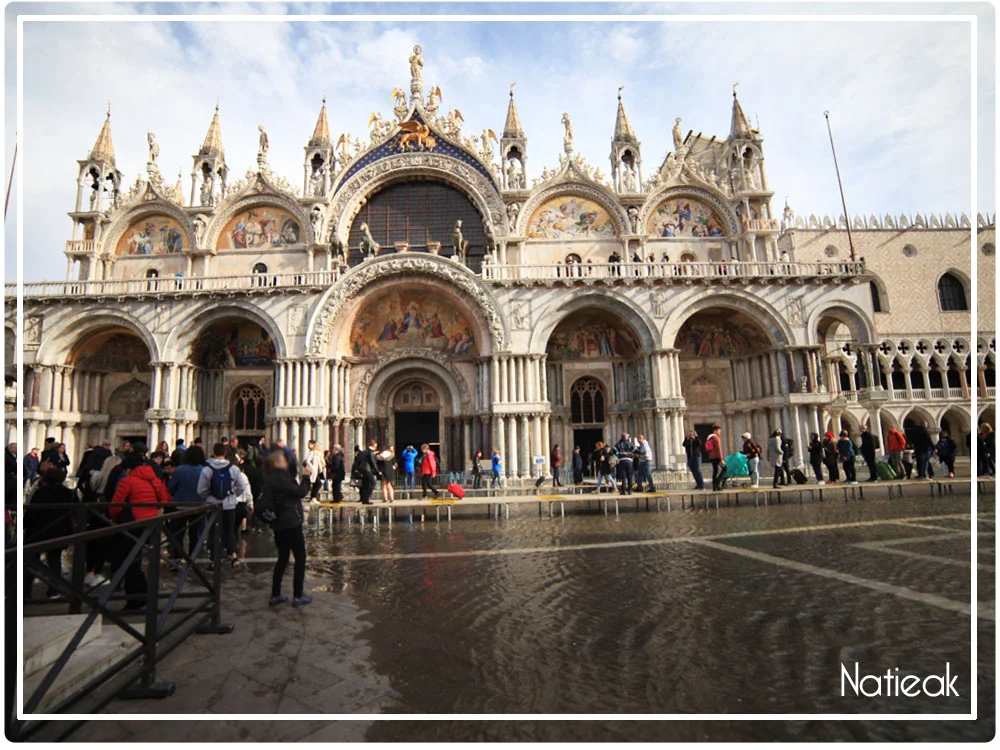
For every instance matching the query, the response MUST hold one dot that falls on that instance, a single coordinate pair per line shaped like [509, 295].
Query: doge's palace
[417, 287]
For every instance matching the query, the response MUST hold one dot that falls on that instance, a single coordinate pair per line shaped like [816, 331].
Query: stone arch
[406, 365]
[878, 286]
[594, 192]
[918, 414]
[480, 300]
[637, 318]
[712, 198]
[155, 205]
[958, 420]
[773, 323]
[64, 335]
[352, 194]
[260, 193]
[183, 337]
[855, 318]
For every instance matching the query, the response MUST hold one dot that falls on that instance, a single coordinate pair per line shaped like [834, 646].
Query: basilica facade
[417, 287]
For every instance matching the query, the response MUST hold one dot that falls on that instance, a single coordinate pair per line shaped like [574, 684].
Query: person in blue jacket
[409, 457]
[497, 465]
[847, 451]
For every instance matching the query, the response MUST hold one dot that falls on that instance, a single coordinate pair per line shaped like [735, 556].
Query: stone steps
[46, 637]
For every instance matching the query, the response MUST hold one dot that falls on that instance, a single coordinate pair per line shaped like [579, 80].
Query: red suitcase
[456, 489]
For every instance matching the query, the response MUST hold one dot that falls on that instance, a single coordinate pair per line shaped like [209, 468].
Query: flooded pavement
[736, 611]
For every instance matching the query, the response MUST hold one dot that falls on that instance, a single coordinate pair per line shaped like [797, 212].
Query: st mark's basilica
[419, 287]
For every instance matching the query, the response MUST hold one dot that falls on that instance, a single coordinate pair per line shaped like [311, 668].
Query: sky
[899, 93]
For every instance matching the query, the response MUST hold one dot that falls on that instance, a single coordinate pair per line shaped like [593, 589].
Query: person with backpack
[183, 486]
[222, 481]
[752, 451]
[428, 470]
[496, 466]
[946, 450]
[281, 506]
[816, 457]
[692, 451]
[787, 454]
[868, 452]
[713, 446]
[140, 485]
[776, 456]
[845, 447]
[626, 454]
[923, 446]
[607, 462]
[365, 471]
[336, 471]
[409, 455]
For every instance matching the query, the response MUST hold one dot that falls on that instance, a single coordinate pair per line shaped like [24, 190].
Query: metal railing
[191, 604]
[683, 271]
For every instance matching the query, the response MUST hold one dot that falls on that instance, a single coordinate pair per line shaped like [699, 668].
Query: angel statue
[368, 247]
[154, 148]
[487, 150]
[434, 97]
[375, 124]
[567, 134]
[397, 97]
[453, 123]
[343, 147]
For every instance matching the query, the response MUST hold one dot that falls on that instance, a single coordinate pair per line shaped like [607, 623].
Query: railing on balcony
[761, 225]
[257, 282]
[937, 393]
[955, 393]
[991, 391]
[631, 271]
[80, 246]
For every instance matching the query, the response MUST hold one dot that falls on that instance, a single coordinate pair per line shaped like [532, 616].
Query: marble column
[536, 443]
[512, 447]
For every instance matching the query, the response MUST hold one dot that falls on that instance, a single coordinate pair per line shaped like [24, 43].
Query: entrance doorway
[585, 439]
[704, 430]
[416, 428]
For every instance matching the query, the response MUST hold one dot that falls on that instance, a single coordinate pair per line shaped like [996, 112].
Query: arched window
[951, 293]
[876, 297]
[248, 409]
[587, 402]
[152, 273]
[260, 268]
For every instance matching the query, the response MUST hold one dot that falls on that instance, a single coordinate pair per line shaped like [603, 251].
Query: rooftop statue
[678, 135]
[567, 133]
[417, 63]
[262, 143]
[154, 148]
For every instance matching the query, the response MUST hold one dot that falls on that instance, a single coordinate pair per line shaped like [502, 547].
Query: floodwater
[688, 612]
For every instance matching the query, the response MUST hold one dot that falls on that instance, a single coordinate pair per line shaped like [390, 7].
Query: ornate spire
[321, 135]
[740, 127]
[103, 149]
[213, 138]
[512, 128]
[623, 128]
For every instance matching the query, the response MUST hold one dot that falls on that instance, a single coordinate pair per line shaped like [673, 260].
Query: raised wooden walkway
[498, 504]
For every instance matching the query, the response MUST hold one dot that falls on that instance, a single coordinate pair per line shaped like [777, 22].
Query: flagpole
[840, 184]
[10, 181]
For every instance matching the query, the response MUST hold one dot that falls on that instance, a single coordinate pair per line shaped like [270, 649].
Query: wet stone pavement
[736, 611]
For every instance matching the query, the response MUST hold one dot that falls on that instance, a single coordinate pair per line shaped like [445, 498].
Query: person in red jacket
[895, 443]
[141, 485]
[428, 470]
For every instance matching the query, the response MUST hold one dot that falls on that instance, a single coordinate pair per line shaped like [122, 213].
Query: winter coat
[713, 446]
[429, 465]
[42, 525]
[336, 469]
[868, 446]
[774, 453]
[845, 447]
[409, 457]
[140, 486]
[946, 449]
[183, 484]
[692, 447]
[895, 440]
[287, 497]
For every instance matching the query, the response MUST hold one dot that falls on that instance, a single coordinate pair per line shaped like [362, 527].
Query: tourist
[831, 458]
[156, 464]
[752, 451]
[895, 442]
[365, 470]
[577, 466]
[244, 505]
[987, 450]
[290, 458]
[625, 449]
[387, 473]
[223, 481]
[336, 472]
[713, 446]
[556, 466]
[692, 449]
[183, 486]
[284, 497]
[314, 458]
[31, 462]
[922, 448]
[62, 459]
[42, 525]
[816, 456]
[496, 466]
[644, 464]
[607, 461]
[846, 450]
[776, 456]
[787, 454]
[868, 452]
[139, 486]
[477, 470]
[946, 450]
[428, 470]
[178, 454]
[409, 466]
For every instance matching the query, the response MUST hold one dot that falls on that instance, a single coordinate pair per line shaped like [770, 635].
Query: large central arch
[460, 279]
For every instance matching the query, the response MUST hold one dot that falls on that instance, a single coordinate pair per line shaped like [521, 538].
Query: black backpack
[266, 507]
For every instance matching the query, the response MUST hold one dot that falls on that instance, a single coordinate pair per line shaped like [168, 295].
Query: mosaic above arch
[411, 319]
[570, 217]
[260, 227]
[681, 216]
[152, 235]
[592, 335]
[720, 335]
[234, 344]
[114, 352]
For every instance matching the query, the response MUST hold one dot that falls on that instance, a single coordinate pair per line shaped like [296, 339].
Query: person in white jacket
[222, 481]
[314, 458]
